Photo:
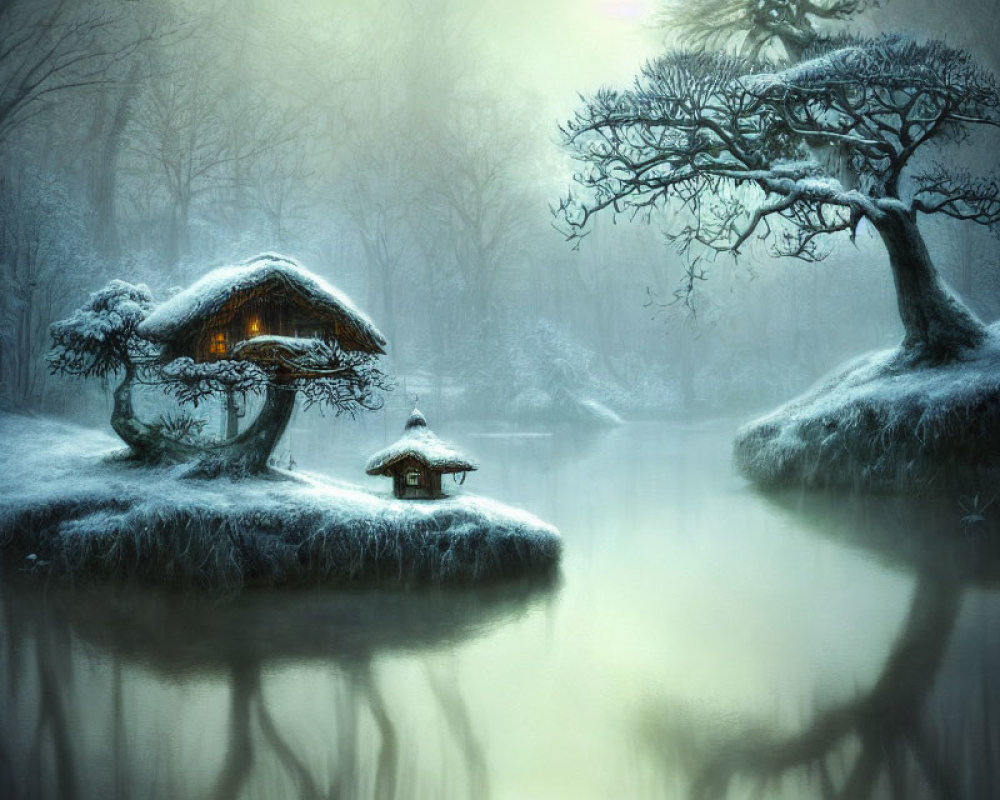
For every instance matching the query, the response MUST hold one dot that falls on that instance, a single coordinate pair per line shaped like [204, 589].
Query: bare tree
[379, 202]
[191, 133]
[737, 149]
[112, 115]
[780, 28]
[475, 189]
[42, 238]
[279, 184]
[48, 47]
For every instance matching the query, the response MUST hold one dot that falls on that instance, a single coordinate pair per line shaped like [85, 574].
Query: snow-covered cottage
[418, 460]
[269, 295]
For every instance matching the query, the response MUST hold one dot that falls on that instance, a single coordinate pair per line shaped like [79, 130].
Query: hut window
[218, 345]
[413, 478]
[254, 326]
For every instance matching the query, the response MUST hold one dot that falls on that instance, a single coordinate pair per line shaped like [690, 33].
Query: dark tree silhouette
[781, 28]
[748, 155]
[48, 47]
[914, 730]
[886, 721]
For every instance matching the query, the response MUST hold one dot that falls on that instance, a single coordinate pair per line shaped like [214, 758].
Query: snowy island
[71, 506]
[179, 507]
[881, 424]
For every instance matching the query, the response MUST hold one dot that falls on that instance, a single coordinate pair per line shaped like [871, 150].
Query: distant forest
[387, 150]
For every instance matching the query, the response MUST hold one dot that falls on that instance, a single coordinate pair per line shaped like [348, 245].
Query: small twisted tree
[103, 338]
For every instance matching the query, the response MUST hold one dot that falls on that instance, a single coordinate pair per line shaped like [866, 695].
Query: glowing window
[412, 478]
[254, 326]
[218, 346]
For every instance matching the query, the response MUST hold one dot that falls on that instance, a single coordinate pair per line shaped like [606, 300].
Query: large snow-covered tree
[725, 152]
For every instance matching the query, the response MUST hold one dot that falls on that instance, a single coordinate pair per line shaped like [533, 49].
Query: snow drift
[879, 425]
[78, 511]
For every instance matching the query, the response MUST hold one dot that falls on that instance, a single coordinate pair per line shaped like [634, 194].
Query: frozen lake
[702, 641]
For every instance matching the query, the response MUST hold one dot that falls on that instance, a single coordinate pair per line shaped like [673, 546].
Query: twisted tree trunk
[106, 177]
[250, 451]
[247, 453]
[146, 443]
[938, 326]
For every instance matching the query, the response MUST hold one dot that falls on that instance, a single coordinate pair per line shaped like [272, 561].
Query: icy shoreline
[66, 500]
[875, 426]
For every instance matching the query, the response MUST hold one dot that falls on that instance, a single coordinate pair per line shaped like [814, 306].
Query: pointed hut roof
[419, 442]
[207, 296]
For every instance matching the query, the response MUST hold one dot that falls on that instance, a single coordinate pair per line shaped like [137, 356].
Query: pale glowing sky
[623, 9]
[550, 49]
[562, 47]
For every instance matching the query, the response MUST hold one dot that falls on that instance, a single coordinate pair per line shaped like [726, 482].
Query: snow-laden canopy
[420, 442]
[890, 61]
[208, 295]
[99, 338]
[290, 355]
[270, 347]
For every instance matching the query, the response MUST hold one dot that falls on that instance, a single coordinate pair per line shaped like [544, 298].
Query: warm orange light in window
[254, 326]
[218, 347]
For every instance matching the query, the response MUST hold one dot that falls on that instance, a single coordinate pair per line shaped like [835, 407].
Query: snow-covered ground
[874, 424]
[67, 503]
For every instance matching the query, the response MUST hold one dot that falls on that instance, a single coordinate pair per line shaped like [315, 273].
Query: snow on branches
[100, 338]
[105, 336]
[724, 151]
[877, 101]
[321, 372]
[109, 334]
[819, 145]
[961, 195]
[191, 381]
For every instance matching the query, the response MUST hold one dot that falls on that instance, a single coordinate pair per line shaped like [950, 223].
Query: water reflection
[66, 733]
[795, 647]
[926, 727]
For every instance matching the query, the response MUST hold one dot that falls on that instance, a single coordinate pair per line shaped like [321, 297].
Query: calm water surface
[702, 641]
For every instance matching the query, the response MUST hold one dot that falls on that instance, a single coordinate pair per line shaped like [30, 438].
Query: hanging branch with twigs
[726, 152]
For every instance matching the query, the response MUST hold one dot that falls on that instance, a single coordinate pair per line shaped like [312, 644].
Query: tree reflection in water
[49, 714]
[896, 739]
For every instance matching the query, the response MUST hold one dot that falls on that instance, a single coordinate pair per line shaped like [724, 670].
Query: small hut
[267, 309]
[269, 295]
[417, 461]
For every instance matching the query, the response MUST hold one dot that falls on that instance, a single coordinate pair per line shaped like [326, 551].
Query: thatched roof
[420, 443]
[189, 309]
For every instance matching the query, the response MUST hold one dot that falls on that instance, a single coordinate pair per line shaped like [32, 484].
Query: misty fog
[408, 152]
[702, 640]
